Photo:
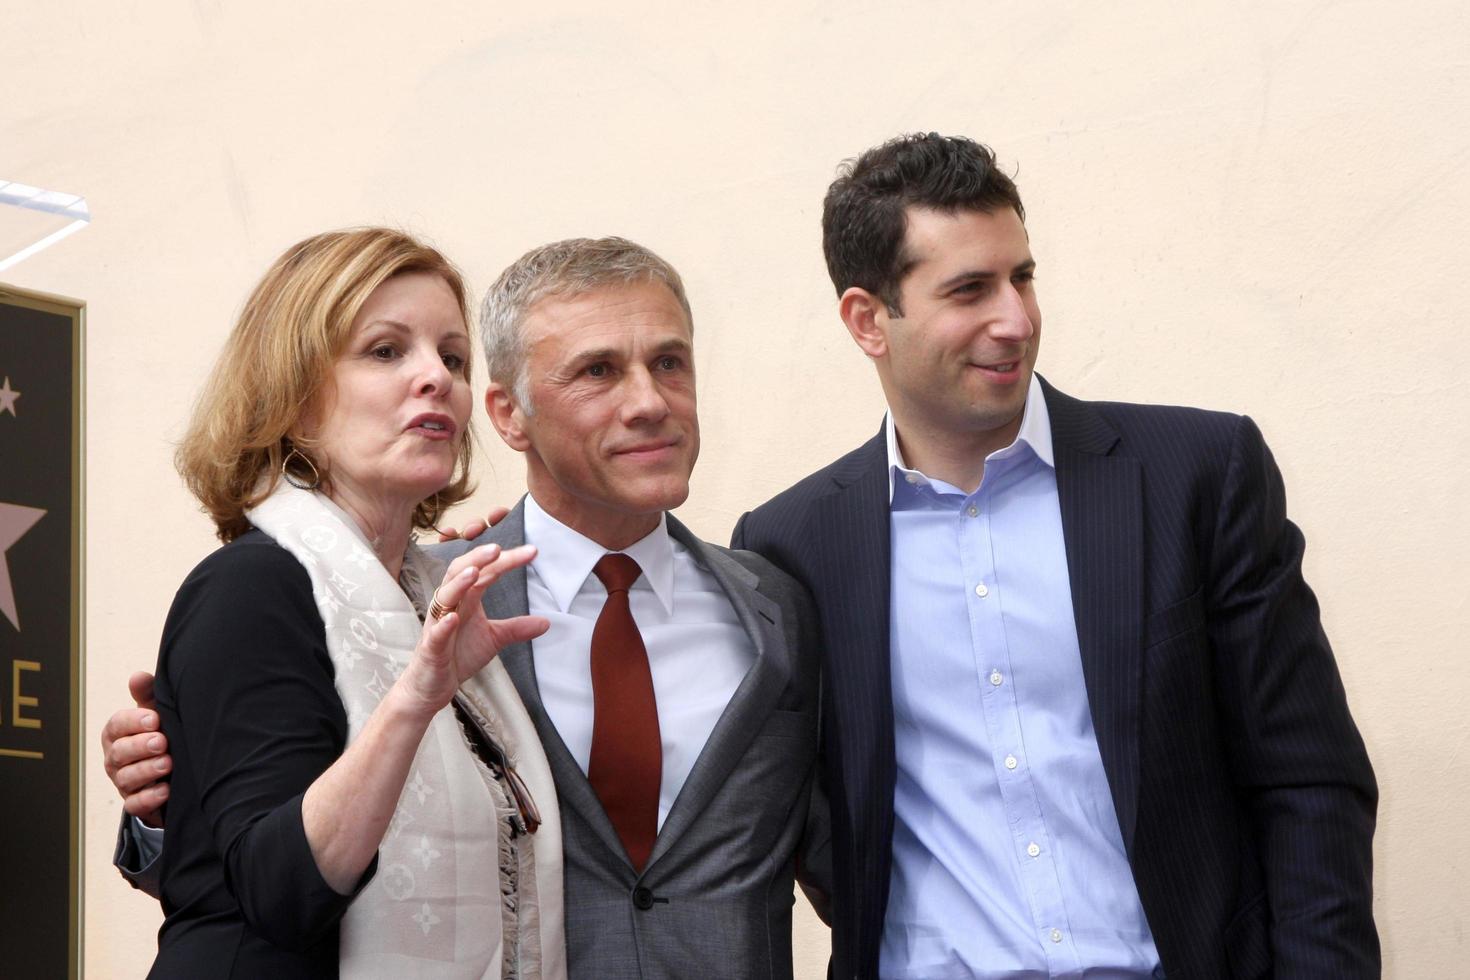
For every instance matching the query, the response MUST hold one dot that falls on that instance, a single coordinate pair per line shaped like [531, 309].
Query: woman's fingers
[471, 574]
[465, 583]
[441, 648]
[519, 629]
[437, 640]
[493, 570]
[504, 562]
[462, 575]
[438, 636]
[474, 558]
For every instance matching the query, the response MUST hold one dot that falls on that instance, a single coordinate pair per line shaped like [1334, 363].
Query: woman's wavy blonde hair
[277, 362]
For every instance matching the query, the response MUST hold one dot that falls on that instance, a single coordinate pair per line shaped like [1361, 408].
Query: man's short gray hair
[564, 269]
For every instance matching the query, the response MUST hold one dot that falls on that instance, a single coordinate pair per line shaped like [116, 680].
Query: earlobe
[866, 318]
[506, 416]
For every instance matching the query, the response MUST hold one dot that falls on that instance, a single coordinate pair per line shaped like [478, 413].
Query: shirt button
[995, 678]
[971, 511]
[981, 590]
[911, 477]
[1033, 849]
[1010, 762]
[1056, 935]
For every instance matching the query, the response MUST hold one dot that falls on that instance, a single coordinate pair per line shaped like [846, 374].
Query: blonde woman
[356, 785]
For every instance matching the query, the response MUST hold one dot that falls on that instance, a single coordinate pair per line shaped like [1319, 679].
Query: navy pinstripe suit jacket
[1244, 794]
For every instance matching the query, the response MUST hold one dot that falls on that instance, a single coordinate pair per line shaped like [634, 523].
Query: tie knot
[617, 573]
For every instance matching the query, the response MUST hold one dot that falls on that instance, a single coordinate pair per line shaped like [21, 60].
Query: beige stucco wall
[1251, 206]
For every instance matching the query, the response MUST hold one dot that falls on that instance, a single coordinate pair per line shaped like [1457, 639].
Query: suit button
[642, 899]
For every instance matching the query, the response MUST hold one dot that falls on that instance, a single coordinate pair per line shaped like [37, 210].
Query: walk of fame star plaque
[40, 634]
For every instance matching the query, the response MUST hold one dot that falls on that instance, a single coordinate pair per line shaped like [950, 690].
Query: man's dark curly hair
[863, 220]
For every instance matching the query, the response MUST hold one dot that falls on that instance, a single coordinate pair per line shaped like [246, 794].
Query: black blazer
[1242, 788]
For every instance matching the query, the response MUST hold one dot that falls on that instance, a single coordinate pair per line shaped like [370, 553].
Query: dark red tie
[627, 760]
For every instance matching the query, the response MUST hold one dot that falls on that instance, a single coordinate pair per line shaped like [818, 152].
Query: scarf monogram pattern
[454, 895]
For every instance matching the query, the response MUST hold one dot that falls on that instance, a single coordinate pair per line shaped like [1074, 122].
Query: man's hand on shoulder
[474, 528]
[135, 754]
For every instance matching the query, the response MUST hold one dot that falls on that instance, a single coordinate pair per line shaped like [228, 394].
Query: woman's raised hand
[456, 644]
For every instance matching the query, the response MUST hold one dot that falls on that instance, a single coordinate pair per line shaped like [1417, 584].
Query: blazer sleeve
[814, 857]
[814, 852]
[1296, 753]
[255, 718]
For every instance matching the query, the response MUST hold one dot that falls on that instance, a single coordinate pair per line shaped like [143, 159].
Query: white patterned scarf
[455, 897]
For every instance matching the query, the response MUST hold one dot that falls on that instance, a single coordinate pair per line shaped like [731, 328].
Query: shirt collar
[1035, 432]
[564, 557]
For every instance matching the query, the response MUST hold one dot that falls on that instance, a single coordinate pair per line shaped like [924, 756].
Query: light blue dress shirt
[1007, 856]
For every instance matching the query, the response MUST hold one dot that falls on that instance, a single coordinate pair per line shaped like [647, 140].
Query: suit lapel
[1101, 501]
[753, 700]
[508, 598]
[746, 713]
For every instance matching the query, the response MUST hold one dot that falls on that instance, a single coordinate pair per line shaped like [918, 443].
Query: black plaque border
[76, 311]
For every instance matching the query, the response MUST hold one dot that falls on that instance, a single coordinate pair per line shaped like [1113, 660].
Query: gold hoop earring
[293, 479]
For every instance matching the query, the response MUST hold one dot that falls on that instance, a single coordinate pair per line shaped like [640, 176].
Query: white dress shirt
[698, 652]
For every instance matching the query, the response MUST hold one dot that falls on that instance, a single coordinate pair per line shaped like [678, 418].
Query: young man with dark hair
[1080, 715]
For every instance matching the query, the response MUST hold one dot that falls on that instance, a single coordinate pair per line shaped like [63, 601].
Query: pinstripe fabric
[1242, 787]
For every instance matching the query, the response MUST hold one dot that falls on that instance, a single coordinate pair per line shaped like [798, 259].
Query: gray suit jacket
[715, 898]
